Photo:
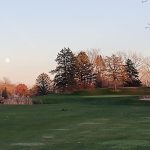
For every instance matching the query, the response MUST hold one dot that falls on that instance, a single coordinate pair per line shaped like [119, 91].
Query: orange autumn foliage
[21, 90]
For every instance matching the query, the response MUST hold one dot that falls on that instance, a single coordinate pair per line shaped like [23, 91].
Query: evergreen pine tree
[64, 79]
[5, 93]
[132, 79]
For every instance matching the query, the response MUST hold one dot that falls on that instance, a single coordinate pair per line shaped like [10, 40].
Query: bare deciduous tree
[136, 58]
[92, 54]
[145, 72]
[43, 82]
[96, 58]
[115, 69]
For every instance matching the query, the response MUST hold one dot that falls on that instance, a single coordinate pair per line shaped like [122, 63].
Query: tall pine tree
[64, 79]
[132, 75]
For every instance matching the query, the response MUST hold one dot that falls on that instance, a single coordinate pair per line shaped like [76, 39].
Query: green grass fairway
[77, 123]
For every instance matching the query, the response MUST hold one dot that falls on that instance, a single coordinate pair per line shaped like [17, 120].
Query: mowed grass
[77, 123]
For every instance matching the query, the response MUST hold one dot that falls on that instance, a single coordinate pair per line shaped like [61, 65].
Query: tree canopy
[132, 79]
[64, 79]
[43, 84]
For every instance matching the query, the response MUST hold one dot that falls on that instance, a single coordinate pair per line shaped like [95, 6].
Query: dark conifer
[132, 79]
[5, 94]
[64, 79]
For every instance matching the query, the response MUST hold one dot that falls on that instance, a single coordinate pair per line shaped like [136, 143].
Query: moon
[7, 60]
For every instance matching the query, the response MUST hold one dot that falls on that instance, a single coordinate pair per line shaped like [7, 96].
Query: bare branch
[144, 1]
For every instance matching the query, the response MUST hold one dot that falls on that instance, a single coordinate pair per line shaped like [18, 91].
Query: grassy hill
[77, 122]
[94, 94]
[120, 91]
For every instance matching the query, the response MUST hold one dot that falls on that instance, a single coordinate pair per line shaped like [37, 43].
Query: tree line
[92, 70]
[88, 70]
[8, 89]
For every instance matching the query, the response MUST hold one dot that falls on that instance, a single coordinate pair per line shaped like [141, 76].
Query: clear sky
[32, 32]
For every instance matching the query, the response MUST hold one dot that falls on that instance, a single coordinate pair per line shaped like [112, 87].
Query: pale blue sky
[32, 32]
